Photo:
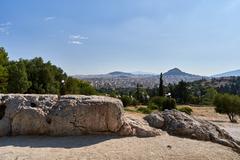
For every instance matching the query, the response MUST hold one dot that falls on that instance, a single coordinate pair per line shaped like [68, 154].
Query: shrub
[152, 106]
[186, 110]
[126, 100]
[169, 103]
[144, 110]
[195, 100]
[157, 101]
[162, 103]
[134, 102]
[228, 104]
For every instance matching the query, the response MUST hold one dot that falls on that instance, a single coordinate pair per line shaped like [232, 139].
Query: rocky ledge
[180, 124]
[22, 114]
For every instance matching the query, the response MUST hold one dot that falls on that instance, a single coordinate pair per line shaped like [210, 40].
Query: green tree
[3, 70]
[76, 86]
[3, 79]
[126, 100]
[169, 104]
[138, 92]
[182, 92]
[228, 104]
[3, 57]
[161, 87]
[18, 81]
[141, 95]
[209, 97]
[45, 77]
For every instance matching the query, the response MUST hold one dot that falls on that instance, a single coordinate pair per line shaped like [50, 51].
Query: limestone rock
[76, 115]
[5, 127]
[67, 115]
[183, 125]
[155, 120]
[139, 128]
[29, 121]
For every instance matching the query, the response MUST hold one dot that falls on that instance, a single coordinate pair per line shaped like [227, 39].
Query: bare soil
[111, 147]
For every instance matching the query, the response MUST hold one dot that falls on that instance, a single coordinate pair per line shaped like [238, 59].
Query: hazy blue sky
[99, 36]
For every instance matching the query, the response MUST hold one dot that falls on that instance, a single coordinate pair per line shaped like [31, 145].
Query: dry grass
[209, 113]
[202, 112]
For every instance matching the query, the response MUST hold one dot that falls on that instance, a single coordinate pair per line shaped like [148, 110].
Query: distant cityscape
[129, 80]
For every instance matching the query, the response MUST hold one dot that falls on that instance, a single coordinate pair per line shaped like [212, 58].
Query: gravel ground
[111, 147]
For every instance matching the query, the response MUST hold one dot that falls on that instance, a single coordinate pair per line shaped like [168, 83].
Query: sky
[100, 36]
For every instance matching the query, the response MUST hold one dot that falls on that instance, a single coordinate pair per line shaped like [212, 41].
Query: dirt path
[111, 147]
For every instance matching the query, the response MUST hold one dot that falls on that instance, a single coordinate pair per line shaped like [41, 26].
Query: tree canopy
[228, 104]
[39, 77]
[3, 70]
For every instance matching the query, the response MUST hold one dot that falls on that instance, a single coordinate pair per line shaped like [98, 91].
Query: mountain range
[118, 79]
[235, 73]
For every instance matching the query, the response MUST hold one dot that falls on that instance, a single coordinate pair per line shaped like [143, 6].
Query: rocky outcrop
[180, 124]
[25, 114]
[155, 120]
[66, 115]
[76, 115]
[138, 127]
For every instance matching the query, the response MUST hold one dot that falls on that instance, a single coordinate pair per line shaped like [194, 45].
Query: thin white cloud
[5, 24]
[77, 39]
[49, 18]
[4, 27]
[4, 30]
[75, 42]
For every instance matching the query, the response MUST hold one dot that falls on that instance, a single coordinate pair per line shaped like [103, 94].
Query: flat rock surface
[111, 147]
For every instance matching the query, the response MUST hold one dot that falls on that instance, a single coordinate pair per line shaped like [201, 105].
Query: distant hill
[235, 73]
[118, 73]
[118, 79]
[176, 72]
[143, 73]
[175, 75]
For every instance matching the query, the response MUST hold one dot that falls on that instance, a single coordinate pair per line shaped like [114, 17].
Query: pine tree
[138, 96]
[161, 89]
[18, 80]
[3, 70]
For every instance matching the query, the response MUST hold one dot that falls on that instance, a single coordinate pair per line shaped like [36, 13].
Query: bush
[126, 100]
[228, 104]
[134, 102]
[162, 103]
[195, 100]
[169, 103]
[152, 106]
[144, 110]
[186, 110]
[158, 101]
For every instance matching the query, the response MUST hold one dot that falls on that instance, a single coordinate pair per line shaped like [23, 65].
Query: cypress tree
[161, 89]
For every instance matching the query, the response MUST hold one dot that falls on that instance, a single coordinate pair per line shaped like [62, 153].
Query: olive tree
[228, 104]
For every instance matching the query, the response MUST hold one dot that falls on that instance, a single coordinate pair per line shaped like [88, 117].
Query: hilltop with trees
[39, 77]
